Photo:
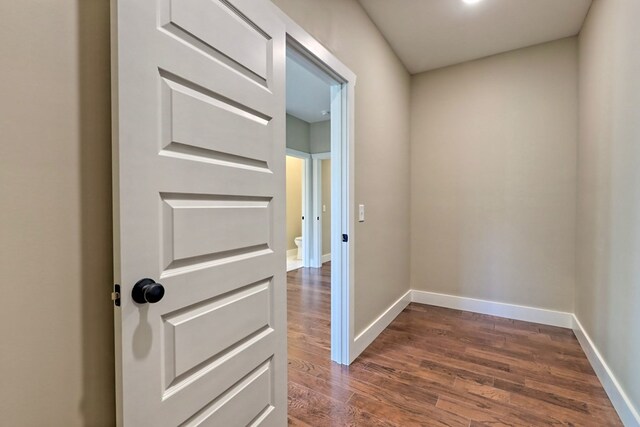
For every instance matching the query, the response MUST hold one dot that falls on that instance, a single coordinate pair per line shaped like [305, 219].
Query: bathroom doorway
[308, 212]
[298, 170]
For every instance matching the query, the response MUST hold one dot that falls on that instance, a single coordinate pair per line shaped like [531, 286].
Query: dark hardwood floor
[437, 367]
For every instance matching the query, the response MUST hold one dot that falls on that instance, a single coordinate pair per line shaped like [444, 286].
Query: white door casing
[199, 206]
[343, 350]
[316, 185]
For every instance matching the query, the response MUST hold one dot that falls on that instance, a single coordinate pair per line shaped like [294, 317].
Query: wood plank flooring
[437, 367]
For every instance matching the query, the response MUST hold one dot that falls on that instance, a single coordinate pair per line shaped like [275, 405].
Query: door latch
[345, 238]
[115, 295]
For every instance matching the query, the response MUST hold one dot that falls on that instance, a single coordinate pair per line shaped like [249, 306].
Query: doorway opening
[308, 161]
[308, 142]
[319, 187]
[298, 169]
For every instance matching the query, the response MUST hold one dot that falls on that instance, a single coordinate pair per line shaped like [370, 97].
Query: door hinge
[115, 295]
[345, 238]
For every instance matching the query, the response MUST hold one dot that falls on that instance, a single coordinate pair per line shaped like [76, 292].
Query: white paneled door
[199, 144]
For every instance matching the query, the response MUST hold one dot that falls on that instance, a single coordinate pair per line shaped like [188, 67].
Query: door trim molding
[316, 191]
[321, 156]
[299, 154]
[317, 257]
[302, 44]
[316, 160]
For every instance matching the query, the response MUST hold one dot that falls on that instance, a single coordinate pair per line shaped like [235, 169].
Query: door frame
[343, 183]
[316, 188]
[307, 202]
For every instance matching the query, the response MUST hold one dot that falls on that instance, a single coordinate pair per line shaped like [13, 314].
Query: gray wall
[382, 147]
[320, 136]
[308, 137]
[608, 244]
[298, 134]
[493, 177]
[56, 356]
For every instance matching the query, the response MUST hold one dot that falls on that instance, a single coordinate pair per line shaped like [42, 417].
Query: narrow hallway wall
[608, 244]
[56, 322]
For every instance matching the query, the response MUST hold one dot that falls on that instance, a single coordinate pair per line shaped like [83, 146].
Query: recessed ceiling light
[471, 1]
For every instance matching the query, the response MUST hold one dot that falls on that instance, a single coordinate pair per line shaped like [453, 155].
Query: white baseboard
[326, 258]
[511, 311]
[291, 267]
[371, 332]
[626, 411]
[629, 415]
[292, 252]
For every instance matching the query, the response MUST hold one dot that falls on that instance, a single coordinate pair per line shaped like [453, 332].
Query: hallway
[436, 366]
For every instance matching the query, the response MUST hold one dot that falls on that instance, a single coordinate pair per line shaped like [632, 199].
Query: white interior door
[199, 184]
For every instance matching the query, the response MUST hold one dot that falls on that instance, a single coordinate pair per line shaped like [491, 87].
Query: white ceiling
[307, 93]
[429, 34]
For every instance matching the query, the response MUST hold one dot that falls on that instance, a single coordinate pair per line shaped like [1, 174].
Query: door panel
[193, 335]
[237, 224]
[212, 130]
[199, 207]
[234, 35]
[238, 405]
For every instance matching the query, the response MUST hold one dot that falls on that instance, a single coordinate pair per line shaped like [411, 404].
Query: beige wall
[294, 200]
[493, 161]
[326, 202]
[382, 147]
[298, 134]
[56, 356]
[608, 244]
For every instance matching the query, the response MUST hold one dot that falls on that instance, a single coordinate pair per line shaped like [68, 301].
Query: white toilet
[298, 241]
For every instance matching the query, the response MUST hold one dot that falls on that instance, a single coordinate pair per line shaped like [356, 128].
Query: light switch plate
[360, 213]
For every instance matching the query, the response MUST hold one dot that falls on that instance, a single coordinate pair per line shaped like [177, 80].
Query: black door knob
[147, 291]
